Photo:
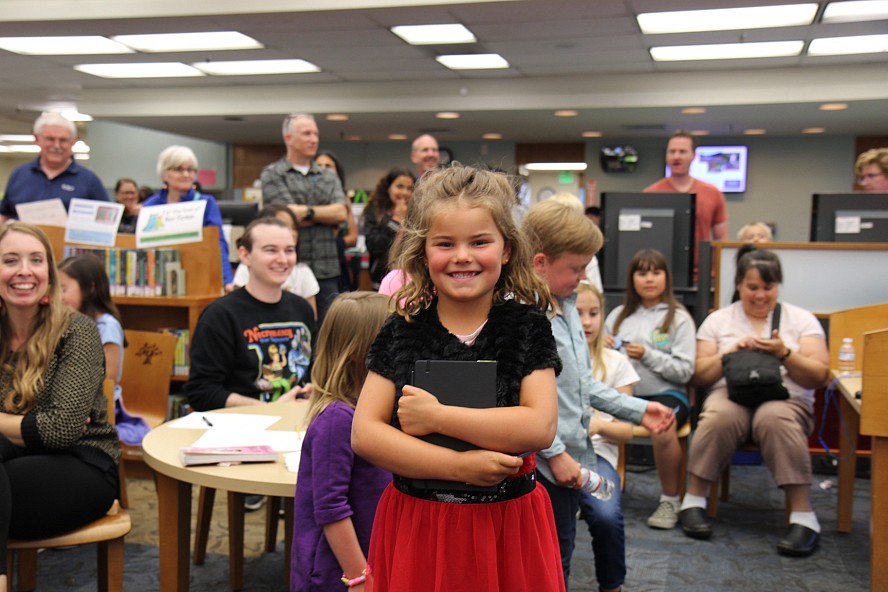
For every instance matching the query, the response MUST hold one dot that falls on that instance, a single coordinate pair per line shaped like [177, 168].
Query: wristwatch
[309, 214]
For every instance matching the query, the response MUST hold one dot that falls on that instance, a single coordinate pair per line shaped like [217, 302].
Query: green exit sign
[565, 177]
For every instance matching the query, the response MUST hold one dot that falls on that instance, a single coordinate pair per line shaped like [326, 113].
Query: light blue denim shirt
[578, 391]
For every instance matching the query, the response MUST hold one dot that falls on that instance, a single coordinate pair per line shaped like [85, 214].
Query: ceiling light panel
[172, 42]
[480, 61]
[727, 19]
[72, 45]
[848, 45]
[434, 34]
[556, 166]
[726, 51]
[855, 11]
[147, 70]
[256, 67]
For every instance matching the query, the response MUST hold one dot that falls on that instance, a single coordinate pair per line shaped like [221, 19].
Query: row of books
[139, 272]
[181, 360]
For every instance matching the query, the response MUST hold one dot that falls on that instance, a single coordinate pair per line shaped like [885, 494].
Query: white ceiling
[586, 55]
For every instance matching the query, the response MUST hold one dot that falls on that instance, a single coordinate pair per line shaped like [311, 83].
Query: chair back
[147, 371]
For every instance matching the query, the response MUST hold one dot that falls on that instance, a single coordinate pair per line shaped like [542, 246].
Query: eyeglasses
[869, 177]
[183, 170]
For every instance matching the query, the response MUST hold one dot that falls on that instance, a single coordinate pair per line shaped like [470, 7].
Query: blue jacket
[212, 217]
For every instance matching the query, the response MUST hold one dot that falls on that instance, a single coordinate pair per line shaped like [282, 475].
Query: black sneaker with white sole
[253, 502]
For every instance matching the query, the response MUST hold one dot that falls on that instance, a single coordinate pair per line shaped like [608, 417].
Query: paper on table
[280, 440]
[225, 421]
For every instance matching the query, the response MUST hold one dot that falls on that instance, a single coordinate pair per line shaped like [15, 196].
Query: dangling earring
[45, 300]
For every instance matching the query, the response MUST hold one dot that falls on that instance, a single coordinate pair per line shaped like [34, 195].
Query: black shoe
[800, 541]
[694, 523]
[253, 502]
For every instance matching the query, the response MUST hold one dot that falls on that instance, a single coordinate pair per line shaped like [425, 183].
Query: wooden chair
[145, 382]
[721, 489]
[640, 432]
[108, 532]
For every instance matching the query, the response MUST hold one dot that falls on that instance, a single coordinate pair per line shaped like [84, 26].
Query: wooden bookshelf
[203, 284]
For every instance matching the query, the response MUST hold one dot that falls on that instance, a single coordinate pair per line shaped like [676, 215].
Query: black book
[461, 384]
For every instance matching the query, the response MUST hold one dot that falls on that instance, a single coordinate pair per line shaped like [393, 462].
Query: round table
[174, 482]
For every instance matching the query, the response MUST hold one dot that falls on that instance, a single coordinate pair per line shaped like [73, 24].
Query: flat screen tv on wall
[723, 166]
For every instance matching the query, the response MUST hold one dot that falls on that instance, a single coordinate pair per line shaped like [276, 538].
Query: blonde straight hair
[596, 349]
[51, 323]
[339, 368]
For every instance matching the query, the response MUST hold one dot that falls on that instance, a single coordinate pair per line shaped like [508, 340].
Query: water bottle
[596, 485]
[846, 356]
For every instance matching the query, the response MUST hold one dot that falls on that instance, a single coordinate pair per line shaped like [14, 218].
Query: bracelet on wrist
[356, 581]
[786, 355]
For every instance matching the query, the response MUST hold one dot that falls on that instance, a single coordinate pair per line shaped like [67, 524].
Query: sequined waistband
[429, 490]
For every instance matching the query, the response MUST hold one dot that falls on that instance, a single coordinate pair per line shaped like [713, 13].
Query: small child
[472, 296]
[301, 280]
[605, 517]
[338, 490]
[85, 288]
[755, 232]
[659, 336]
[563, 241]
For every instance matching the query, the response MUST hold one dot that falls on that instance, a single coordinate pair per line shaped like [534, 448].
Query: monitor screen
[723, 166]
[849, 217]
[238, 213]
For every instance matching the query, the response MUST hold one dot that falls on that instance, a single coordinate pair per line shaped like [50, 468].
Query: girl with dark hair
[127, 193]
[382, 219]
[657, 334]
[85, 289]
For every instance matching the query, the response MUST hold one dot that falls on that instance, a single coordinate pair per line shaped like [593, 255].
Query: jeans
[565, 502]
[605, 521]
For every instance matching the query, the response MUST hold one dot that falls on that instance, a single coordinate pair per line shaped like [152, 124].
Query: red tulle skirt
[430, 546]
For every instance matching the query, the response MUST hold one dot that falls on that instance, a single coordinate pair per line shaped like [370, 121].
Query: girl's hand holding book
[486, 467]
[417, 411]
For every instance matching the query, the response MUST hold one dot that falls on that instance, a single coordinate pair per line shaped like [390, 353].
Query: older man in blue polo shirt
[53, 174]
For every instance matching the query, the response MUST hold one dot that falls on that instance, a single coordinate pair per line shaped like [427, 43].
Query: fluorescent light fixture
[27, 148]
[479, 61]
[699, 132]
[727, 19]
[833, 106]
[566, 113]
[727, 51]
[146, 70]
[397, 136]
[813, 130]
[336, 117]
[80, 147]
[81, 156]
[434, 34]
[16, 138]
[592, 134]
[70, 45]
[492, 136]
[169, 42]
[556, 166]
[256, 67]
[848, 45]
[756, 131]
[693, 110]
[855, 11]
[75, 115]
[353, 138]
[447, 115]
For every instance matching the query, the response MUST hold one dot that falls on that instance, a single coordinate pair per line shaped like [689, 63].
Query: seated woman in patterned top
[58, 453]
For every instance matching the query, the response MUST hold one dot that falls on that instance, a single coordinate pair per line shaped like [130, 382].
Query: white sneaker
[664, 517]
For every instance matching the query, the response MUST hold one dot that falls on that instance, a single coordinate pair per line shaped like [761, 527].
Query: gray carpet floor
[740, 556]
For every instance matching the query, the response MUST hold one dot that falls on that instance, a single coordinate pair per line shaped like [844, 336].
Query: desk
[849, 406]
[174, 482]
[851, 413]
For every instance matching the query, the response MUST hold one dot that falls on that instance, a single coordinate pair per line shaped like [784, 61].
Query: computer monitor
[634, 221]
[849, 217]
[238, 213]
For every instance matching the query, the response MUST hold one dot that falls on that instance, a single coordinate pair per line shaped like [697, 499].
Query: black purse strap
[775, 320]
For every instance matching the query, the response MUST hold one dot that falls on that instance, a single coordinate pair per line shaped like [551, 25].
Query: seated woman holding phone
[779, 427]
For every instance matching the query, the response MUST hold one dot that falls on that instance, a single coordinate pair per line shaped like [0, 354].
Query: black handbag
[753, 376]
